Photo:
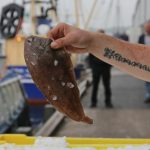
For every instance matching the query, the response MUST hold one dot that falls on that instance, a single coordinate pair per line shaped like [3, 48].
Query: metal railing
[11, 102]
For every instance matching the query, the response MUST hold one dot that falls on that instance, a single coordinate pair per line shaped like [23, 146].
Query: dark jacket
[142, 39]
[97, 63]
[124, 37]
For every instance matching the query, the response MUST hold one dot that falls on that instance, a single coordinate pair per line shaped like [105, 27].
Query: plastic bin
[98, 143]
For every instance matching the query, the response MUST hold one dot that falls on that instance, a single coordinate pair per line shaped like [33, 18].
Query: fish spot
[63, 83]
[52, 78]
[30, 40]
[55, 62]
[49, 87]
[54, 97]
[33, 63]
[41, 47]
[47, 100]
[70, 85]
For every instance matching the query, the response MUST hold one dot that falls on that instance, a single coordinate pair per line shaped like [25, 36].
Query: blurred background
[118, 103]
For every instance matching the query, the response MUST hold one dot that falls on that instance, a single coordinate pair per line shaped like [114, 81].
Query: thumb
[61, 42]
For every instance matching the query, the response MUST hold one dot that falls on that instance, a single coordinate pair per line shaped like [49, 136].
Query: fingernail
[54, 45]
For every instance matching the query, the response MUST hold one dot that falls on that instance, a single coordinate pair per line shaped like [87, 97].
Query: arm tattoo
[111, 54]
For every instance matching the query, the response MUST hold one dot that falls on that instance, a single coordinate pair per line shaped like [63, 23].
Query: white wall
[141, 15]
[142, 12]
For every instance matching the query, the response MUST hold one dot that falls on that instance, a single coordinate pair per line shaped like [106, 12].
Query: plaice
[52, 72]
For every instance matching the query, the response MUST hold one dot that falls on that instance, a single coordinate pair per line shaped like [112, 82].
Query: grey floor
[129, 118]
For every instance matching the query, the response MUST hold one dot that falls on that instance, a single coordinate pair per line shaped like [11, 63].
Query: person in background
[124, 37]
[100, 69]
[145, 39]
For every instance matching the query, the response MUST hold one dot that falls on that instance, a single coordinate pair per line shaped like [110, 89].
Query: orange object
[18, 38]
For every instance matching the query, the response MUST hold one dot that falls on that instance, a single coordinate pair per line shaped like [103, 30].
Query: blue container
[32, 93]
[30, 89]
[78, 69]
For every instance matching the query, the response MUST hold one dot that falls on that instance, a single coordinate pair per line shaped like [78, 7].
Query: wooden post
[118, 16]
[33, 17]
[77, 13]
[76, 3]
[81, 12]
[90, 15]
[55, 13]
[109, 10]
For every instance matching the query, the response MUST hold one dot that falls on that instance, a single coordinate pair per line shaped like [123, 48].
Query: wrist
[97, 42]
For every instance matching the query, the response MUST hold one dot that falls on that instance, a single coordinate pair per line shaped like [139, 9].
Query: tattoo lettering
[111, 54]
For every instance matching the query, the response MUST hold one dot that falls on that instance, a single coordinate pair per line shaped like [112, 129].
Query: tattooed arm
[131, 58]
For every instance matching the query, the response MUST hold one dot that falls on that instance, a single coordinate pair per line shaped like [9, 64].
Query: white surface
[43, 143]
[143, 147]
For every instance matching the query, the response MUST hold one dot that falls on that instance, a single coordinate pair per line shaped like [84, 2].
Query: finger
[49, 35]
[58, 31]
[62, 42]
[75, 49]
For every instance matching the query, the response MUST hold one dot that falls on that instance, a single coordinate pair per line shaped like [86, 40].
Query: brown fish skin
[52, 72]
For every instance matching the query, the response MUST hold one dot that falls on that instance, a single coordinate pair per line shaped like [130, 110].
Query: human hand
[70, 37]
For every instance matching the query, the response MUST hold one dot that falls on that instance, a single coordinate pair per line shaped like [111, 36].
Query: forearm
[131, 58]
